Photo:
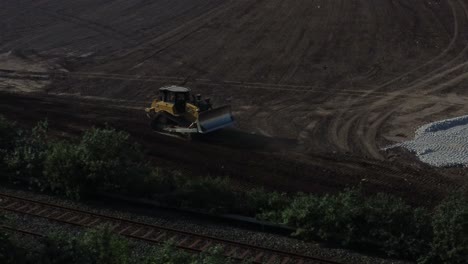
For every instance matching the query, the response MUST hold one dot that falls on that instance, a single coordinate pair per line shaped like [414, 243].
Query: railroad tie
[52, 214]
[42, 211]
[10, 205]
[183, 241]
[113, 226]
[161, 235]
[83, 221]
[30, 210]
[173, 238]
[244, 254]
[125, 229]
[74, 218]
[272, 259]
[285, 260]
[148, 233]
[232, 253]
[93, 222]
[62, 215]
[21, 208]
[135, 232]
[259, 256]
[206, 246]
[194, 244]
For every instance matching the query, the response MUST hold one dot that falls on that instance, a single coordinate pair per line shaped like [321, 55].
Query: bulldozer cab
[179, 96]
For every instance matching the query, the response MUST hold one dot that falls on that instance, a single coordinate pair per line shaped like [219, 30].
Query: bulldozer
[178, 113]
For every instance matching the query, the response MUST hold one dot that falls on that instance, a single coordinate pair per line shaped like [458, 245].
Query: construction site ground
[318, 88]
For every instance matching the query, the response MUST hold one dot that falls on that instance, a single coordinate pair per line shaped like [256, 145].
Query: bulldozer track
[184, 240]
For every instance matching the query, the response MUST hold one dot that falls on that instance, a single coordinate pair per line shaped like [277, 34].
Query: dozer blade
[215, 119]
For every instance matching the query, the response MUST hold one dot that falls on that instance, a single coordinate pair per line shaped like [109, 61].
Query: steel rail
[185, 240]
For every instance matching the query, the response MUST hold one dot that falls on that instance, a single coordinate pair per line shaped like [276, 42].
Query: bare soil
[317, 87]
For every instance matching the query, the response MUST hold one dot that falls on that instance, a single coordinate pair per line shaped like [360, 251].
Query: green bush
[100, 246]
[169, 255]
[27, 159]
[94, 247]
[104, 160]
[214, 194]
[64, 170]
[155, 184]
[107, 160]
[381, 222]
[265, 205]
[10, 253]
[9, 134]
[110, 159]
[450, 227]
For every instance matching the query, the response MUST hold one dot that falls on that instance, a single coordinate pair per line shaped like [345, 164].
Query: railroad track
[184, 240]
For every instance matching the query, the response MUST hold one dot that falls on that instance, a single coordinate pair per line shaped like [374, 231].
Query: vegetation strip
[234, 219]
[106, 160]
[120, 226]
[93, 246]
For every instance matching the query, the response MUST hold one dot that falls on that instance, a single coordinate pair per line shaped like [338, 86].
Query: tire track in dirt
[452, 43]
[296, 40]
[400, 95]
[155, 78]
[370, 132]
[366, 133]
[346, 130]
[93, 25]
[182, 32]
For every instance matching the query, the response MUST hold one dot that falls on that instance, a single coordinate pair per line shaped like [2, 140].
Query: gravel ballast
[185, 223]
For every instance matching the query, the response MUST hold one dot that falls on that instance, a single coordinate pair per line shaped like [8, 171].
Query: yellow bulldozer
[178, 113]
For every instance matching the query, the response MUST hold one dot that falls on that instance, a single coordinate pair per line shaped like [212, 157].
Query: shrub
[214, 194]
[381, 222]
[110, 159]
[94, 247]
[102, 246]
[169, 255]
[394, 227]
[450, 227]
[151, 185]
[9, 134]
[265, 205]
[64, 170]
[104, 160]
[27, 159]
[10, 253]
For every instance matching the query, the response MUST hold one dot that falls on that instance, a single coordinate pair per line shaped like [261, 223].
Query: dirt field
[317, 87]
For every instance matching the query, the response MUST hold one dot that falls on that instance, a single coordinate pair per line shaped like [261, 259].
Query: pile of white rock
[442, 143]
